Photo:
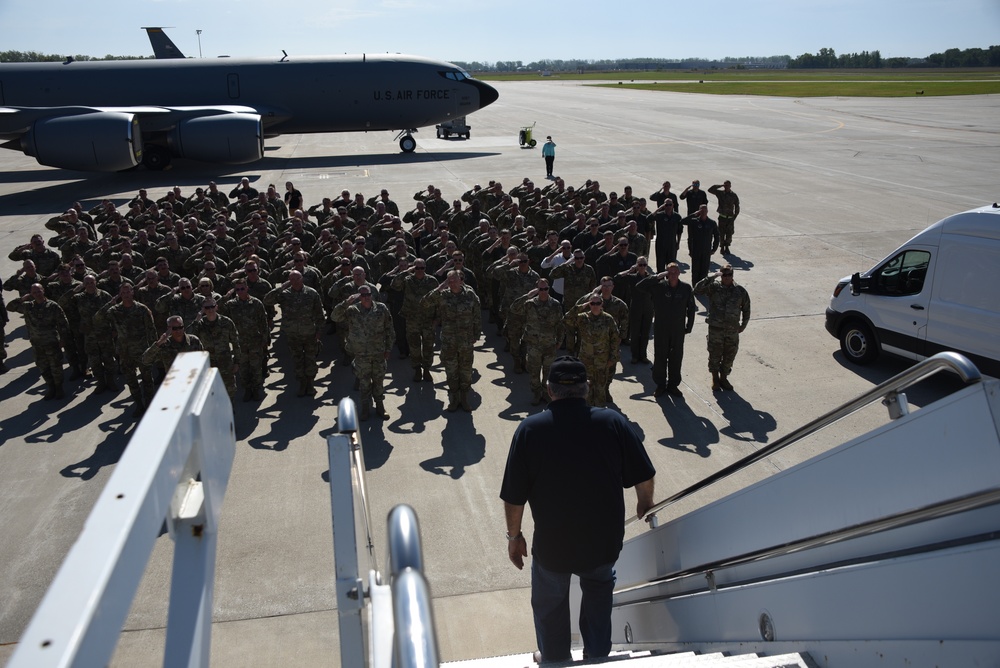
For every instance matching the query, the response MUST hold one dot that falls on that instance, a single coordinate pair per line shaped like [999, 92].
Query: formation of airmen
[121, 289]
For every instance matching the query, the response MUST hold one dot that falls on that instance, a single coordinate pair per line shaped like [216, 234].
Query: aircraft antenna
[198, 31]
[284, 57]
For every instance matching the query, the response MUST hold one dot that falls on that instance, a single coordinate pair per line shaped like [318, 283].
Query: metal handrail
[411, 638]
[414, 639]
[937, 510]
[347, 423]
[887, 391]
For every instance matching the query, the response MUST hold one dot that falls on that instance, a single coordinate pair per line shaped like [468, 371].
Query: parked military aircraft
[112, 115]
[163, 46]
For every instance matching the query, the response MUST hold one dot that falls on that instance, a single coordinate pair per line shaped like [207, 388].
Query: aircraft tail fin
[163, 46]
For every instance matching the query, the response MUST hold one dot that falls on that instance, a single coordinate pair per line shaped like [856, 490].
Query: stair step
[645, 659]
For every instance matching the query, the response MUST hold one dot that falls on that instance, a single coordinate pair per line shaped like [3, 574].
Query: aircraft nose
[487, 93]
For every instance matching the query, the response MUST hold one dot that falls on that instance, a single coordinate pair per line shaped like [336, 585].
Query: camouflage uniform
[618, 310]
[250, 319]
[136, 332]
[47, 326]
[221, 340]
[461, 320]
[259, 289]
[729, 208]
[149, 295]
[76, 353]
[613, 306]
[98, 345]
[21, 284]
[576, 283]
[599, 350]
[419, 325]
[369, 338]
[341, 290]
[493, 287]
[177, 304]
[543, 331]
[302, 318]
[726, 307]
[166, 353]
[516, 284]
[46, 260]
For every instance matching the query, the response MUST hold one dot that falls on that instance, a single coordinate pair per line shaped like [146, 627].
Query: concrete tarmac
[828, 186]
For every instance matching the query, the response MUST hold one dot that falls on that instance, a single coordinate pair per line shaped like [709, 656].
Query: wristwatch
[519, 535]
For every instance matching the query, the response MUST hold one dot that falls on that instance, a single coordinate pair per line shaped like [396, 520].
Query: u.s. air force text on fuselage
[409, 94]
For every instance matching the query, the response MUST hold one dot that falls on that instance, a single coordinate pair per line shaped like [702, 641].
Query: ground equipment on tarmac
[524, 137]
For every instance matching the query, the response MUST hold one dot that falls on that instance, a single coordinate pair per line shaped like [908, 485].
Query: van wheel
[858, 343]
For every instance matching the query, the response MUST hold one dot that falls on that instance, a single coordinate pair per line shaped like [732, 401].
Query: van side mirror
[857, 285]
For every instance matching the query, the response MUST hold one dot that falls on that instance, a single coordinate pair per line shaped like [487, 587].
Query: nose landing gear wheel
[407, 144]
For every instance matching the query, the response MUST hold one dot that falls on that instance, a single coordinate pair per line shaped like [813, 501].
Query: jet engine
[224, 138]
[105, 141]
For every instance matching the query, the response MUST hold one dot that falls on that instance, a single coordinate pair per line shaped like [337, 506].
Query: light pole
[199, 42]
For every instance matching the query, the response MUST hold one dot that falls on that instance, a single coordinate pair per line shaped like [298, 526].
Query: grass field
[791, 83]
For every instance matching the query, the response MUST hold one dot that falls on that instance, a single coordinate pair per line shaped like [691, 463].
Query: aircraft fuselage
[320, 94]
[109, 115]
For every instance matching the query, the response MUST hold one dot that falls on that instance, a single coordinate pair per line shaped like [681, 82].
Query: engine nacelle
[231, 139]
[102, 141]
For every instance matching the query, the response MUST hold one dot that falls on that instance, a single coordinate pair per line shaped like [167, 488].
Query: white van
[938, 291]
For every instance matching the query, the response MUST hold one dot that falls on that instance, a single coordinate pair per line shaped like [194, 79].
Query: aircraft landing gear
[155, 158]
[407, 144]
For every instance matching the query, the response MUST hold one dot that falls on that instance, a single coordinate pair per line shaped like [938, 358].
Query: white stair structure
[882, 551]
[175, 470]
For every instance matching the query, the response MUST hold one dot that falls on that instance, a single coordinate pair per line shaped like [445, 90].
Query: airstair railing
[176, 468]
[937, 510]
[353, 548]
[415, 640]
[890, 393]
[381, 625]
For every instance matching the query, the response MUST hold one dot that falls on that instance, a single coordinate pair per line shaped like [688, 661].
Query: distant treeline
[827, 58]
[35, 57]
[628, 64]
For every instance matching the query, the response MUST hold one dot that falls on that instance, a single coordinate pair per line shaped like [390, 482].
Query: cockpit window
[455, 75]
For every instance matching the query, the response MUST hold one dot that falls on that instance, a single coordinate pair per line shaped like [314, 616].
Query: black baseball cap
[567, 371]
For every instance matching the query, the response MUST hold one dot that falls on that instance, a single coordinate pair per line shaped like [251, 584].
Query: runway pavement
[827, 186]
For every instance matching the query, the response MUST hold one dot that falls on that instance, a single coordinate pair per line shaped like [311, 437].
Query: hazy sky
[513, 30]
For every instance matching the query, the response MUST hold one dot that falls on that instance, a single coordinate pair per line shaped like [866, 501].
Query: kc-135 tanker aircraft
[113, 115]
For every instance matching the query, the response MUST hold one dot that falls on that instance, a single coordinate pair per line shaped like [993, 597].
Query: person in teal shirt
[549, 153]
